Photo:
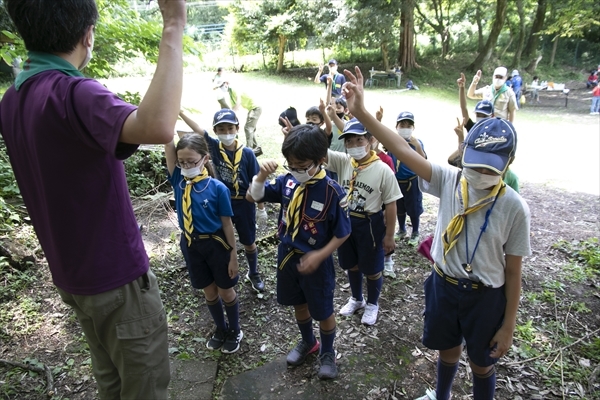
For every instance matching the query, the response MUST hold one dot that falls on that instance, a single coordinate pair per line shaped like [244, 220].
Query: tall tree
[534, 36]
[440, 22]
[406, 47]
[275, 22]
[516, 63]
[486, 53]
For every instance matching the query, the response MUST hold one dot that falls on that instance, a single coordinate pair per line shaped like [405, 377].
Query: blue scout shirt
[402, 171]
[247, 169]
[338, 82]
[325, 211]
[210, 202]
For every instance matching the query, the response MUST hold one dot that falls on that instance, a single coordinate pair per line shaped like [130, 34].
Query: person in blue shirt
[412, 201]
[235, 166]
[337, 79]
[313, 223]
[517, 85]
[204, 213]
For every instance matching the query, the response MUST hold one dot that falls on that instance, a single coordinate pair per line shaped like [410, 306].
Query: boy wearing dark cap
[337, 80]
[369, 184]
[481, 236]
[412, 201]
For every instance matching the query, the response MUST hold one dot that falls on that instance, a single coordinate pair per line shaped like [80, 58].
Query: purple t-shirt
[62, 136]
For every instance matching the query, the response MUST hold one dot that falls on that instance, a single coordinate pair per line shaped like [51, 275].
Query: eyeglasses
[299, 170]
[185, 164]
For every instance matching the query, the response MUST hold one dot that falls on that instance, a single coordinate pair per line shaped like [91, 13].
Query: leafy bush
[586, 252]
[146, 172]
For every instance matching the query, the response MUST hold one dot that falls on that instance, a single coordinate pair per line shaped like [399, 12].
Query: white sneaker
[389, 269]
[370, 315]
[352, 306]
[429, 395]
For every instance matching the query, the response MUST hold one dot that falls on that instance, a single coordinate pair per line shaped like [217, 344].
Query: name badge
[317, 206]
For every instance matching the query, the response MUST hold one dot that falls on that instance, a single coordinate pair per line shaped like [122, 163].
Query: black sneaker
[301, 351]
[232, 341]
[217, 340]
[328, 369]
[257, 283]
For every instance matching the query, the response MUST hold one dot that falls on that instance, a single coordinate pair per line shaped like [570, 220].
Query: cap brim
[226, 122]
[350, 133]
[480, 159]
[405, 119]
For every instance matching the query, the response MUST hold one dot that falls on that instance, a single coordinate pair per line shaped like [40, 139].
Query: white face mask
[478, 180]
[406, 133]
[88, 55]
[227, 139]
[193, 172]
[498, 83]
[358, 153]
[302, 176]
[333, 69]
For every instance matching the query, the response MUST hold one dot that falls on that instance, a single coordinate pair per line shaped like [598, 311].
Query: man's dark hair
[305, 142]
[52, 26]
[315, 111]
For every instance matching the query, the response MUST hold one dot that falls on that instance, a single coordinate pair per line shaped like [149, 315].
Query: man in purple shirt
[66, 137]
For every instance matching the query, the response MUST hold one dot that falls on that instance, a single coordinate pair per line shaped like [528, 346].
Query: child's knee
[228, 295]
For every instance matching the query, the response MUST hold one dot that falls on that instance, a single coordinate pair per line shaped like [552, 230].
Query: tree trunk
[510, 40]
[406, 49]
[445, 43]
[517, 58]
[385, 56]
[553, 54]
[479, 28]
[282, 41]
[486, 53]
[536, 27]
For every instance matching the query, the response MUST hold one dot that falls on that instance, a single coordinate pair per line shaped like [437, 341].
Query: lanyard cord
[483, 227]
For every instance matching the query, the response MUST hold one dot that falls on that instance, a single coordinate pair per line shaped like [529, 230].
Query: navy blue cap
[353, 127]
[225, 116]
[484, 107]
[405, 115]
[291, 114]
[332, 61]
[491, 143]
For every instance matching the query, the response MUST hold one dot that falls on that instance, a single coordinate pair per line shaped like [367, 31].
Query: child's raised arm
[354, 93]
[171, 156]
[256, 191]
[462, 96]
[325, 117]
[191, 123]
[330, 110]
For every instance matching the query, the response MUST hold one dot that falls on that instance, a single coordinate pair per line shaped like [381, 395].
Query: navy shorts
[364, 247]
[208, 260]
[456, 311]
[244, 220]
[412, 202]
[294, 288]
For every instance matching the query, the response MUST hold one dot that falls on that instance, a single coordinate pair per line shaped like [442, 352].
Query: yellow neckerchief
[186, 204]
[359, 167]
[237, 158]
[457, 223]
[293, 215]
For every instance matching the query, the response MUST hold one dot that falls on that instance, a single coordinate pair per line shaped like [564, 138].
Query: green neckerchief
[38, 62]
[503, 89]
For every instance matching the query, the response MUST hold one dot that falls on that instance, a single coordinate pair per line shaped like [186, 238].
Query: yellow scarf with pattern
[234, 167]
[294, 211]
[359, 167]
[186, 204]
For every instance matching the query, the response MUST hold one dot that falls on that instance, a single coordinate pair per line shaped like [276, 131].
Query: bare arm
[228, 231]
[418, 148]
[329, 88]
[462, 97]
[154, 120]
[318, 76]
[390, 218]
[471, 93]
[191, 123]
[334, 118]
[512, 288]
[325, 117]
[461, 138]
[171, 156]
[258, 182]
[354, 91]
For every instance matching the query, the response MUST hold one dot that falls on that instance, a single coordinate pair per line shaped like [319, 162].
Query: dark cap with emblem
[491, 143]
[225, 116]
[291, 114]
